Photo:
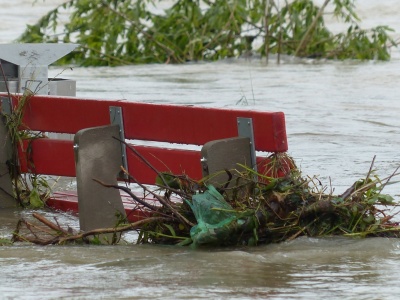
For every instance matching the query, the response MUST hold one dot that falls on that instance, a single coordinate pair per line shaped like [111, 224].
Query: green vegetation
[30, 189]
[272, 210]
[244, 210]
[132, 31]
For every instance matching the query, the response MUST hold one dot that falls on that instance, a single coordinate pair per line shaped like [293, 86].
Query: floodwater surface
[339, 115]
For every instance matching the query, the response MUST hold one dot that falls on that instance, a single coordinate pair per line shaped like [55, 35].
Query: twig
[131, 226]
[48, 223]
[370, 168]
[162, 200]
[137, 199]
[143, 159]
[279, 36]
[64, 236]
[128, 191]
[266, 29]
[372, 183]
[310, 29]
[5, 79]
[389, 178]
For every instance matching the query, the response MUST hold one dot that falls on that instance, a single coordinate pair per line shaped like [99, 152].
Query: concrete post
[7, 199]
[224, 154]
[98, 156]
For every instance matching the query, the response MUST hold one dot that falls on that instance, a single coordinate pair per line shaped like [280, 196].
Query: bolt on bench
[228, 137]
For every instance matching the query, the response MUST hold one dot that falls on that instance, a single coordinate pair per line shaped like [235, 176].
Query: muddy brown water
[339, 116]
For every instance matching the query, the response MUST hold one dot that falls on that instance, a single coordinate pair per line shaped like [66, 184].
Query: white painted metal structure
[25, 66]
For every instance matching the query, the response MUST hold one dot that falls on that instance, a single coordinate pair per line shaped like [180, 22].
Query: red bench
[171, 124]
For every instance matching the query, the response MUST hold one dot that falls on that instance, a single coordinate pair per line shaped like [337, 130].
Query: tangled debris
[271, 210]
[249, 209]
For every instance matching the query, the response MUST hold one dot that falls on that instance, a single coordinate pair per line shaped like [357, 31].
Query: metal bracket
[117, 119]
[245, 129]
[6, 108]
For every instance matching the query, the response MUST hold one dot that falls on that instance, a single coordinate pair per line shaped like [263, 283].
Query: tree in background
[121, 32]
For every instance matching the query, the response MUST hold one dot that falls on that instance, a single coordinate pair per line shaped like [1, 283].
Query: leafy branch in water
[126, 32]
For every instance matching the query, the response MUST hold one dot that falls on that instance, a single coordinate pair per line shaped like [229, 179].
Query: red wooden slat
[169, 123]
[198, 125]
[48, 156]
[65, 115]
[56, 157]
[176, 161]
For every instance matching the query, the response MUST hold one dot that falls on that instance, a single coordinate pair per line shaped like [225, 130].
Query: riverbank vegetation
[114, 33]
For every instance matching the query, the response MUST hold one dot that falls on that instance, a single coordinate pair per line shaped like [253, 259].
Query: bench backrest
[142, 121]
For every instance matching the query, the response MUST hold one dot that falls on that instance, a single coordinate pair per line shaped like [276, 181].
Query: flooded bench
[213, 139]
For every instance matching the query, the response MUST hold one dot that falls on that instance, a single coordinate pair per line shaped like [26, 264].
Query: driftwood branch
[129, 227]
[128, 191]
[50, 224]
[59, 235]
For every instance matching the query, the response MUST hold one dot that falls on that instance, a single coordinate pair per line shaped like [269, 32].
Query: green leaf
[171, 229]
[185, 242]
[5, 242]
[170, 180]
[385, 199]
[35, 200]
[369, 219]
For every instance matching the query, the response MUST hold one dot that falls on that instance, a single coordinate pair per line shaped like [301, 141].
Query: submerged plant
[134, 31]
